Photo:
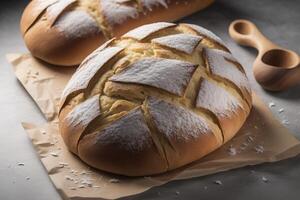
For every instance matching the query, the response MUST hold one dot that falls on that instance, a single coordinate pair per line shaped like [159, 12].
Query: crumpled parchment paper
[261, 139]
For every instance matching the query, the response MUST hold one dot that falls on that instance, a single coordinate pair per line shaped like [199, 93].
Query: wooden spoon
[275, 68]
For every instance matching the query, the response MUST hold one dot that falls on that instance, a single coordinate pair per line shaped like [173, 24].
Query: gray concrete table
[278, 19]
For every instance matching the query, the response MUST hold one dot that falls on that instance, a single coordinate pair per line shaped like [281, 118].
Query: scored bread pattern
[83, 76]
[181, 42]
[143, 32]
[224, 65]
[216, 99]
[120, 132]
[84, 113]
[173, 120]
[38, 7]
[168, 74]
[207, 33]
[100, 14]
[79, 118]
[156, 92]
[54, 11]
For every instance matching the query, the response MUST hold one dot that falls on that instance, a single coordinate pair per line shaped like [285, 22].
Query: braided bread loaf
[64, 32]
[161, 96]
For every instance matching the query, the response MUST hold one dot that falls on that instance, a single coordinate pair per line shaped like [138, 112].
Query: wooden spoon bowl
[275, 68]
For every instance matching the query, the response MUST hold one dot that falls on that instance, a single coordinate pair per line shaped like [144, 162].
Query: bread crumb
[281, 110]
[250, 139]
[218, 182]
[69, 178]
[259, 149]
[264, 179]
[62, 164]
[83, 172]
[271, 104]
[73, 171]
[232, 151]
[285, 122]
[114, 180]
[54, 154]
[86, 182]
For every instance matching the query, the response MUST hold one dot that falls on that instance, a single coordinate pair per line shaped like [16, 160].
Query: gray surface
[277, 19]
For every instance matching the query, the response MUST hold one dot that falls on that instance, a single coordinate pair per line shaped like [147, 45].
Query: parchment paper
[261, 139]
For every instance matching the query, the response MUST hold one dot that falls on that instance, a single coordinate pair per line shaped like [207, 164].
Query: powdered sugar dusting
[181, 42]
[149, 4]
[130, 132]
[272, 104]
[144, 31]
[56, 9]
[204, 32]
[117, 12]
[219, 66]
[84, 113]
[264, 179]
[77, 24]
[259, 149]
[232, 151]
[216, 99]
[168, 74]
[176, 121]
[82, 77]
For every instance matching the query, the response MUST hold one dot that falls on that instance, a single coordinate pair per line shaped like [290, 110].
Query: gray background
[280, 20]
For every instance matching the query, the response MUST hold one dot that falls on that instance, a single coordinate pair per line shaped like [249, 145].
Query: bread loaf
[160, 97]
[64, 32]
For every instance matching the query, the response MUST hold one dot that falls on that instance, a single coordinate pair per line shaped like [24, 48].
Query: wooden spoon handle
[246, 33]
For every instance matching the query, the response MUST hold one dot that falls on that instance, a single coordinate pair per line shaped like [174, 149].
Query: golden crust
[40, 41]
[113, 158]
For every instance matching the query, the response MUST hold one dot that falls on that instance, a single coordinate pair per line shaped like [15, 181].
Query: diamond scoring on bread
[182, 107]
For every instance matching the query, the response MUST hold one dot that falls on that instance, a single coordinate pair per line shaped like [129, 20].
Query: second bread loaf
[64, 32]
